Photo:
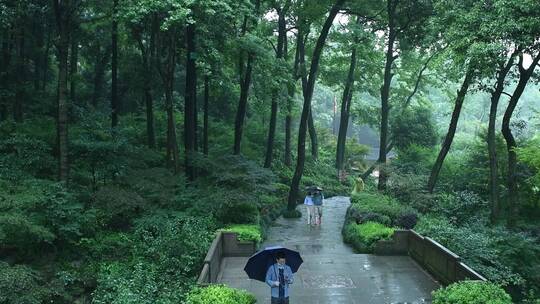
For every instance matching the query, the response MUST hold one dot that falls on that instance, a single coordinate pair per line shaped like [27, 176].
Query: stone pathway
[332, 272]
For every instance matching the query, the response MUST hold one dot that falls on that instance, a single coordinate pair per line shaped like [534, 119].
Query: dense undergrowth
[126, 229]
[457, 216]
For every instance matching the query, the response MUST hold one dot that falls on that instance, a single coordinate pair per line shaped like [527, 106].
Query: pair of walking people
[314, 201]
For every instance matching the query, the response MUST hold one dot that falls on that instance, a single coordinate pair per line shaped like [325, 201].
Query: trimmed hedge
[364, 236]
[219, 294]
[246, 232]
[471, 292]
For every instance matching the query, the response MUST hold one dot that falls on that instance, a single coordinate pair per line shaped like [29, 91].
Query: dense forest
[132, 130]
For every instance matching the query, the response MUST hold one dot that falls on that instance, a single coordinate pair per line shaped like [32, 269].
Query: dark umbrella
[258, 264]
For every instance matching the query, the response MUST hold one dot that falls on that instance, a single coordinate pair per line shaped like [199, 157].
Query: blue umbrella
[258, 264]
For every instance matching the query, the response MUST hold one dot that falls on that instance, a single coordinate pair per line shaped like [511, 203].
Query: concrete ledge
[232, 247]
[397, 246]
[438, 260]
[225, 244]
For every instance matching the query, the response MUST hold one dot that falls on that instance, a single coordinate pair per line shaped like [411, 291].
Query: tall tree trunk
[20, 78]
[205, 117]
[451, 130]
[385, 93]
[4, 76]
[288, 127]
[114, 67]
[99, 76]
[242, 105]
[39, 34]
[245, 83]
[147, 90]
[172, 145]
[63, 12]
[190, 103]
[45, 67]
[73, 68]
[271, 132]
[308, 94]
[168, 79]
[313, 136]
[345, 110]
[513, 194]
[292, 91]
[282, 31]
[492, 147]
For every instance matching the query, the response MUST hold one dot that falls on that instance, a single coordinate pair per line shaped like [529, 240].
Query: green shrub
[246, 232]
[219, 294]
[117, 206]
[21, 285]
[461, 207]
[22, 154]
[471, 292]
[175, 242]
[365, 204]
[272, 206]
[474, 244]
[20, 234]
[364, 236]
[238, 211]
[142, 283]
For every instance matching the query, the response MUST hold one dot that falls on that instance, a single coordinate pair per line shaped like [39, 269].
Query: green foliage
[475, 244]
[20, 234]
[176, 242]
[20, 284]
[219, 294]
[246, 232]
[143, 283]
[471, 292]
[530, 155]
[117, 206]
[168, 250]
[37, 214]
[415, 126]
[25, 155]
[366, 206]
[461, 207]
[364, 236]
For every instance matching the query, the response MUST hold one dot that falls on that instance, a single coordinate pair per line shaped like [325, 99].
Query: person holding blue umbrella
[279, 276]
[275, 266]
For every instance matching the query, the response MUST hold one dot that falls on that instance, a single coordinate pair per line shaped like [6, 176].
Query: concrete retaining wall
[442, 263]
[225, 244]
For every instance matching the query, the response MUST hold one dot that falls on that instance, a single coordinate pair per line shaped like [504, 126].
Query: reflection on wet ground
[332, 272]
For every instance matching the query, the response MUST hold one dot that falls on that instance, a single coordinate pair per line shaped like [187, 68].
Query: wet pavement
[332, 272]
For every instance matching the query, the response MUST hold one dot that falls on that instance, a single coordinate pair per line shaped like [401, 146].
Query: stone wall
[225, 244]
[438, 260]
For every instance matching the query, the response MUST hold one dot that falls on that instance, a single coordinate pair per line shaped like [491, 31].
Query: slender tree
[525, 75]
[469, 77]
[63, 11]
[190, 102]
[346, 107]
[114, 66]
[245, 83]
[282, 32]
[308, 94]
[502, 72]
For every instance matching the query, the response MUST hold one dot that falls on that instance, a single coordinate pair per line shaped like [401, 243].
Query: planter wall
[438, 260]
[225, 244]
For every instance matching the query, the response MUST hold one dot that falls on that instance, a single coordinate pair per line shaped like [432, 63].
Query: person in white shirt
[308, 201]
